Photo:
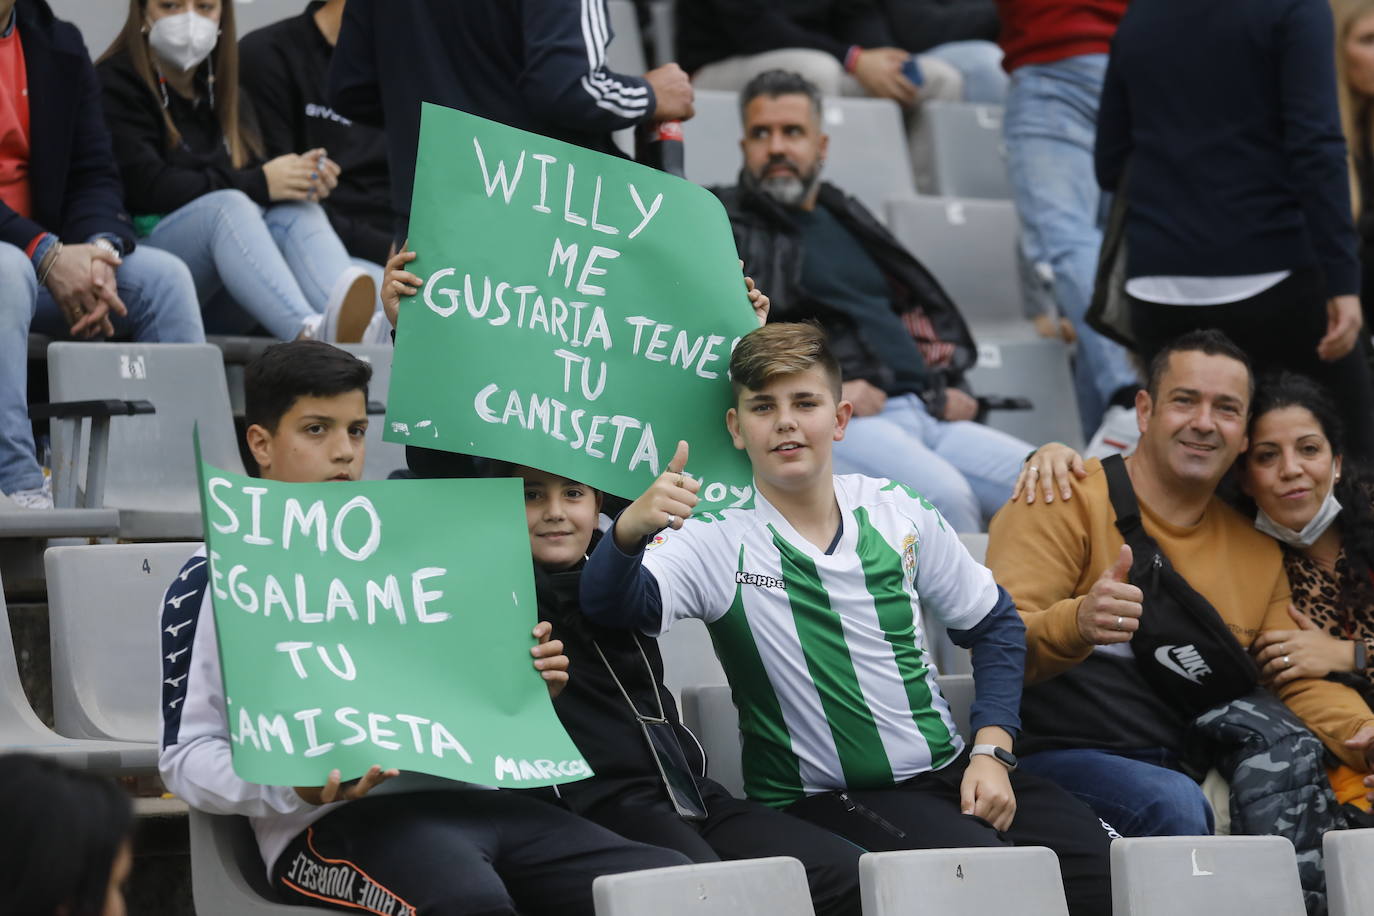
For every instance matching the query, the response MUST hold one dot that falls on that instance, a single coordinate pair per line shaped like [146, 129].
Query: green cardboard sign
[578, 312]
[379, 623]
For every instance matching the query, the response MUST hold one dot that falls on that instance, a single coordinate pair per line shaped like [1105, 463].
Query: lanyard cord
[662, 717]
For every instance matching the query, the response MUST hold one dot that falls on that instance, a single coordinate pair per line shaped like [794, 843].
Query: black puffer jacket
[770, 244]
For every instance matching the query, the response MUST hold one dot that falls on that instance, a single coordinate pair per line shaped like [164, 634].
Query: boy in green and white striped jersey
[813, 595]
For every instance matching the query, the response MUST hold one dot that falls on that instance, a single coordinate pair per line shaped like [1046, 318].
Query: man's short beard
[788, 190]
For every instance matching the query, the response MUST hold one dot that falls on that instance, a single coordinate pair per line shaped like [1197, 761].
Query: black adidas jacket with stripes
[539, 65]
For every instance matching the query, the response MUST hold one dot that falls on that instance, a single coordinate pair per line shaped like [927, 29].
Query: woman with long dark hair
[186, 142]
[66, 847]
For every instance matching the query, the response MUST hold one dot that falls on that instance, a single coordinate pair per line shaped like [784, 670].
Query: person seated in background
[187, 144]
[815, 594]
[284, 68]
[962, 33]
[1094, 724]
[902, 344]
[465, 851]
[69, 266]
[842, 47]
[67, 846]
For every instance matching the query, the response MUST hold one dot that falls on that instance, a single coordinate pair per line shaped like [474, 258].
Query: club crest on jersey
[656, 542]
[762, 581]
[911, 546]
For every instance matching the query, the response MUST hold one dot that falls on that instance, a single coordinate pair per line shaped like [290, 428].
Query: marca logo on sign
[1185, 661]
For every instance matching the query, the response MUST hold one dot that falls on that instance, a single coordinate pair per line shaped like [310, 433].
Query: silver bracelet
[48, 263]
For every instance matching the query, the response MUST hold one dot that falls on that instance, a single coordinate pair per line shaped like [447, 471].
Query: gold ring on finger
[1121, 623]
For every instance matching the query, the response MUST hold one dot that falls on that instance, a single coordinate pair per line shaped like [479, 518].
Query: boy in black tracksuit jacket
[627, 794]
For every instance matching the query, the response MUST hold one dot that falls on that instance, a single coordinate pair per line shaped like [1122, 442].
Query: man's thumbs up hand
[1110, 612]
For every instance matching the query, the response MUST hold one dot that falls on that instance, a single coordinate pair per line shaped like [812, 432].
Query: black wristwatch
[1001, 755]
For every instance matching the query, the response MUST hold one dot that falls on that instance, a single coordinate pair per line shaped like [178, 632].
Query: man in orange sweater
[1090, 720]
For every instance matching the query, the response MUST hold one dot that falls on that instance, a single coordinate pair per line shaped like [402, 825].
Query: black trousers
[736, 828]
[462, 853]
[923, 813]
[1278, 329]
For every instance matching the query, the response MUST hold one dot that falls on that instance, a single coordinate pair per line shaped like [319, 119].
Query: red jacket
[1043, 31]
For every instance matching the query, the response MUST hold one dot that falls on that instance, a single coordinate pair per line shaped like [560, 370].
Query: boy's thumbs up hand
[1110, 612]
[666, 504]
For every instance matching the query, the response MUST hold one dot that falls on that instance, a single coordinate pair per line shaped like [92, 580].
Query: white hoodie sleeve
[194, 757]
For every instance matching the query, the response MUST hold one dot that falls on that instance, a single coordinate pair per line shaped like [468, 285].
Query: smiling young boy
[813, 595]
[616, 668]
[459, 850]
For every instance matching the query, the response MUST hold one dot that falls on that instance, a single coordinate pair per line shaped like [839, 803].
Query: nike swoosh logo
[1164, 658]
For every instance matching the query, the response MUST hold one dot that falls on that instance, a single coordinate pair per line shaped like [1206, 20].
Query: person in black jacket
[962, 33]
[540, 67]
[252, 232]
[68, 261]
[902, 344]
[618, 683]
[1226, 116]
[285, 66]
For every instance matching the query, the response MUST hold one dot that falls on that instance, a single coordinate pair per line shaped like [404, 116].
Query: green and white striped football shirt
[826, 654]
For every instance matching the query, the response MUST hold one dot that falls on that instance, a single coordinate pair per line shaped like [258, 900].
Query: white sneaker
[37, 498]
[378, 330]
[351, 305]
[1118, 434]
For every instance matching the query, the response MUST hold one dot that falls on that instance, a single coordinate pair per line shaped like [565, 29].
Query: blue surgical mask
[1326, 514]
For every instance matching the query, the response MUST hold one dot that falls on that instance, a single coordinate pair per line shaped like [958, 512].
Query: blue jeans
[980, 62]
[966, 469]
[1050, 126]
[274, 267]
[161, 299]
[1137, 792]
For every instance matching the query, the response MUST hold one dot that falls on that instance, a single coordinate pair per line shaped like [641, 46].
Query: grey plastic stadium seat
[227, 874]
[103, 605]
[1205, 876]
[1349, 878]
[151, 473]
[689, 658]
[971, 248]
[1036, 368]
[626, 51]
[967, 155]
[382, 457]
[868, 156]
[710, 713]
[954, 882]
[22, 731]
[750, 887]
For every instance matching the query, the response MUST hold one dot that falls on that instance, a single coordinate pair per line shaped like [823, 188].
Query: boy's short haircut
[784, 348]
[286, 372]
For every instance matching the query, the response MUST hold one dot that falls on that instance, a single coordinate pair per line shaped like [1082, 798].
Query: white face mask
[183, 40]
[1326, 514]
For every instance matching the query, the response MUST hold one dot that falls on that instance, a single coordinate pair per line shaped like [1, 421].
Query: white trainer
[1118, 434]
[37, 498]
[352, 302]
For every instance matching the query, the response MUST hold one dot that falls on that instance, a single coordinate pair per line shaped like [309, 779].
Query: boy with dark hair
[459, 850]
[619, 685]
[813, 594]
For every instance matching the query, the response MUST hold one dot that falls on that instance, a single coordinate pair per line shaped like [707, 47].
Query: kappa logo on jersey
[762, 581]
[911, 547]
[1185, 661]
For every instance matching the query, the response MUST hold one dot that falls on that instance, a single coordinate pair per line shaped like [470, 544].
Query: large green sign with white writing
[577, 314]
[379, 623]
